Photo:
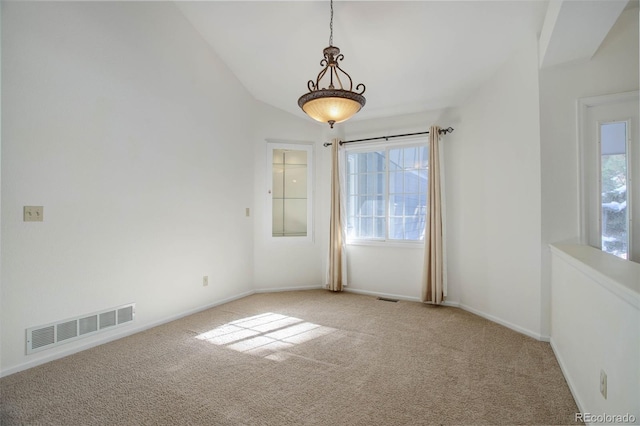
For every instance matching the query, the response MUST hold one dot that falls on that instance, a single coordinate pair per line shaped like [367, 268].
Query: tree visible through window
[613, 178]
[609, 158]
[387, 193]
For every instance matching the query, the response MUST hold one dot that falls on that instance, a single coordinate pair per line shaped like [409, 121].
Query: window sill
[290, 240]
[388, 243]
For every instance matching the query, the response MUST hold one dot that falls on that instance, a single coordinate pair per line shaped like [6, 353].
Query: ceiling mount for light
[336, 102]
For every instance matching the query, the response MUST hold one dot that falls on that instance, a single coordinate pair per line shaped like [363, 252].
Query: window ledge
[290, 240]
[387, 243]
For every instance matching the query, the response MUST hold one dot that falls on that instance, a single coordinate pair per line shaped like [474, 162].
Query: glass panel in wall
[290, 193]
[278, 217]
[295, 217]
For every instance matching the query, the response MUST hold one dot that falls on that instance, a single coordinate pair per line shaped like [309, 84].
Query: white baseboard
[124, 332]
[507, 324]
[567, 378]
[280, 289]
[455, 304]
[377, 294]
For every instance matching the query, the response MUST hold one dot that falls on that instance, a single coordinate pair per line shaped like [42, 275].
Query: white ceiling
[568, 21]
[412, 56]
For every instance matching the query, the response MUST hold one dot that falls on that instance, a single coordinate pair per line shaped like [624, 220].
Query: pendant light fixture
[336, 102]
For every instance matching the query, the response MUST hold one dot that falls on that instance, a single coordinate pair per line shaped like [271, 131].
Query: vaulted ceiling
[411, 55]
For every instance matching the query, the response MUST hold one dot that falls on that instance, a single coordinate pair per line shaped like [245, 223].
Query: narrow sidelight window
[614, 179]
[290, 190]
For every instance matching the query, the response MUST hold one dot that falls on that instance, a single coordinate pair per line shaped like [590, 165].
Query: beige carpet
[301, 358]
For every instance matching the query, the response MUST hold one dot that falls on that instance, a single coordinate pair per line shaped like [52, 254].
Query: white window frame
[386, 146]
[590, 204]
[299, 146]
[629, 195]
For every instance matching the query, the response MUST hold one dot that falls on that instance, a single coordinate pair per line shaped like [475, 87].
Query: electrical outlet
[603, 383]
[205, 281]
[33, 213]
[247, 212]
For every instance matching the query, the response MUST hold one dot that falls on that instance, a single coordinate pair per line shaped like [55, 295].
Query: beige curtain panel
[337, 254]
[433, 285]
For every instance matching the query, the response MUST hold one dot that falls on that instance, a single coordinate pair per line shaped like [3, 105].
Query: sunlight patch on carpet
[265, 335]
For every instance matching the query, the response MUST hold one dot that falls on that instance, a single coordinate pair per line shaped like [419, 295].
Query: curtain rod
[442, 131]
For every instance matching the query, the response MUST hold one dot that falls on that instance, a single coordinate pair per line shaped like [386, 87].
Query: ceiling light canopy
[336, 102]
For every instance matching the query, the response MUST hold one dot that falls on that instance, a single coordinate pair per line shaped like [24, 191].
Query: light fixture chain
[331, 26]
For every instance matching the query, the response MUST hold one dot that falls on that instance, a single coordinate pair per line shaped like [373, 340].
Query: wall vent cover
[88, 324]
[54, 334]
[43, 336]
[67, 330]
[107, 319]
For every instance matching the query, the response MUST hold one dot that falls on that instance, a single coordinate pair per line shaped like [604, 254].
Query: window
[613, 188]
[289, 176]
[609, 138]
[386, 191]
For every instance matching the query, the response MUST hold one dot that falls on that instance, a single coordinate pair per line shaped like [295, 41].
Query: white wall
[613, 69]
[493, 197]
[122, 123]
[286, 263]
[596, 326]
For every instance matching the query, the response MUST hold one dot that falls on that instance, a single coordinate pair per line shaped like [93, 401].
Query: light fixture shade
[331, 105]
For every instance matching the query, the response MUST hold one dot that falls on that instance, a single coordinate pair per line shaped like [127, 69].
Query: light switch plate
[33, 213]
[603, 383]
